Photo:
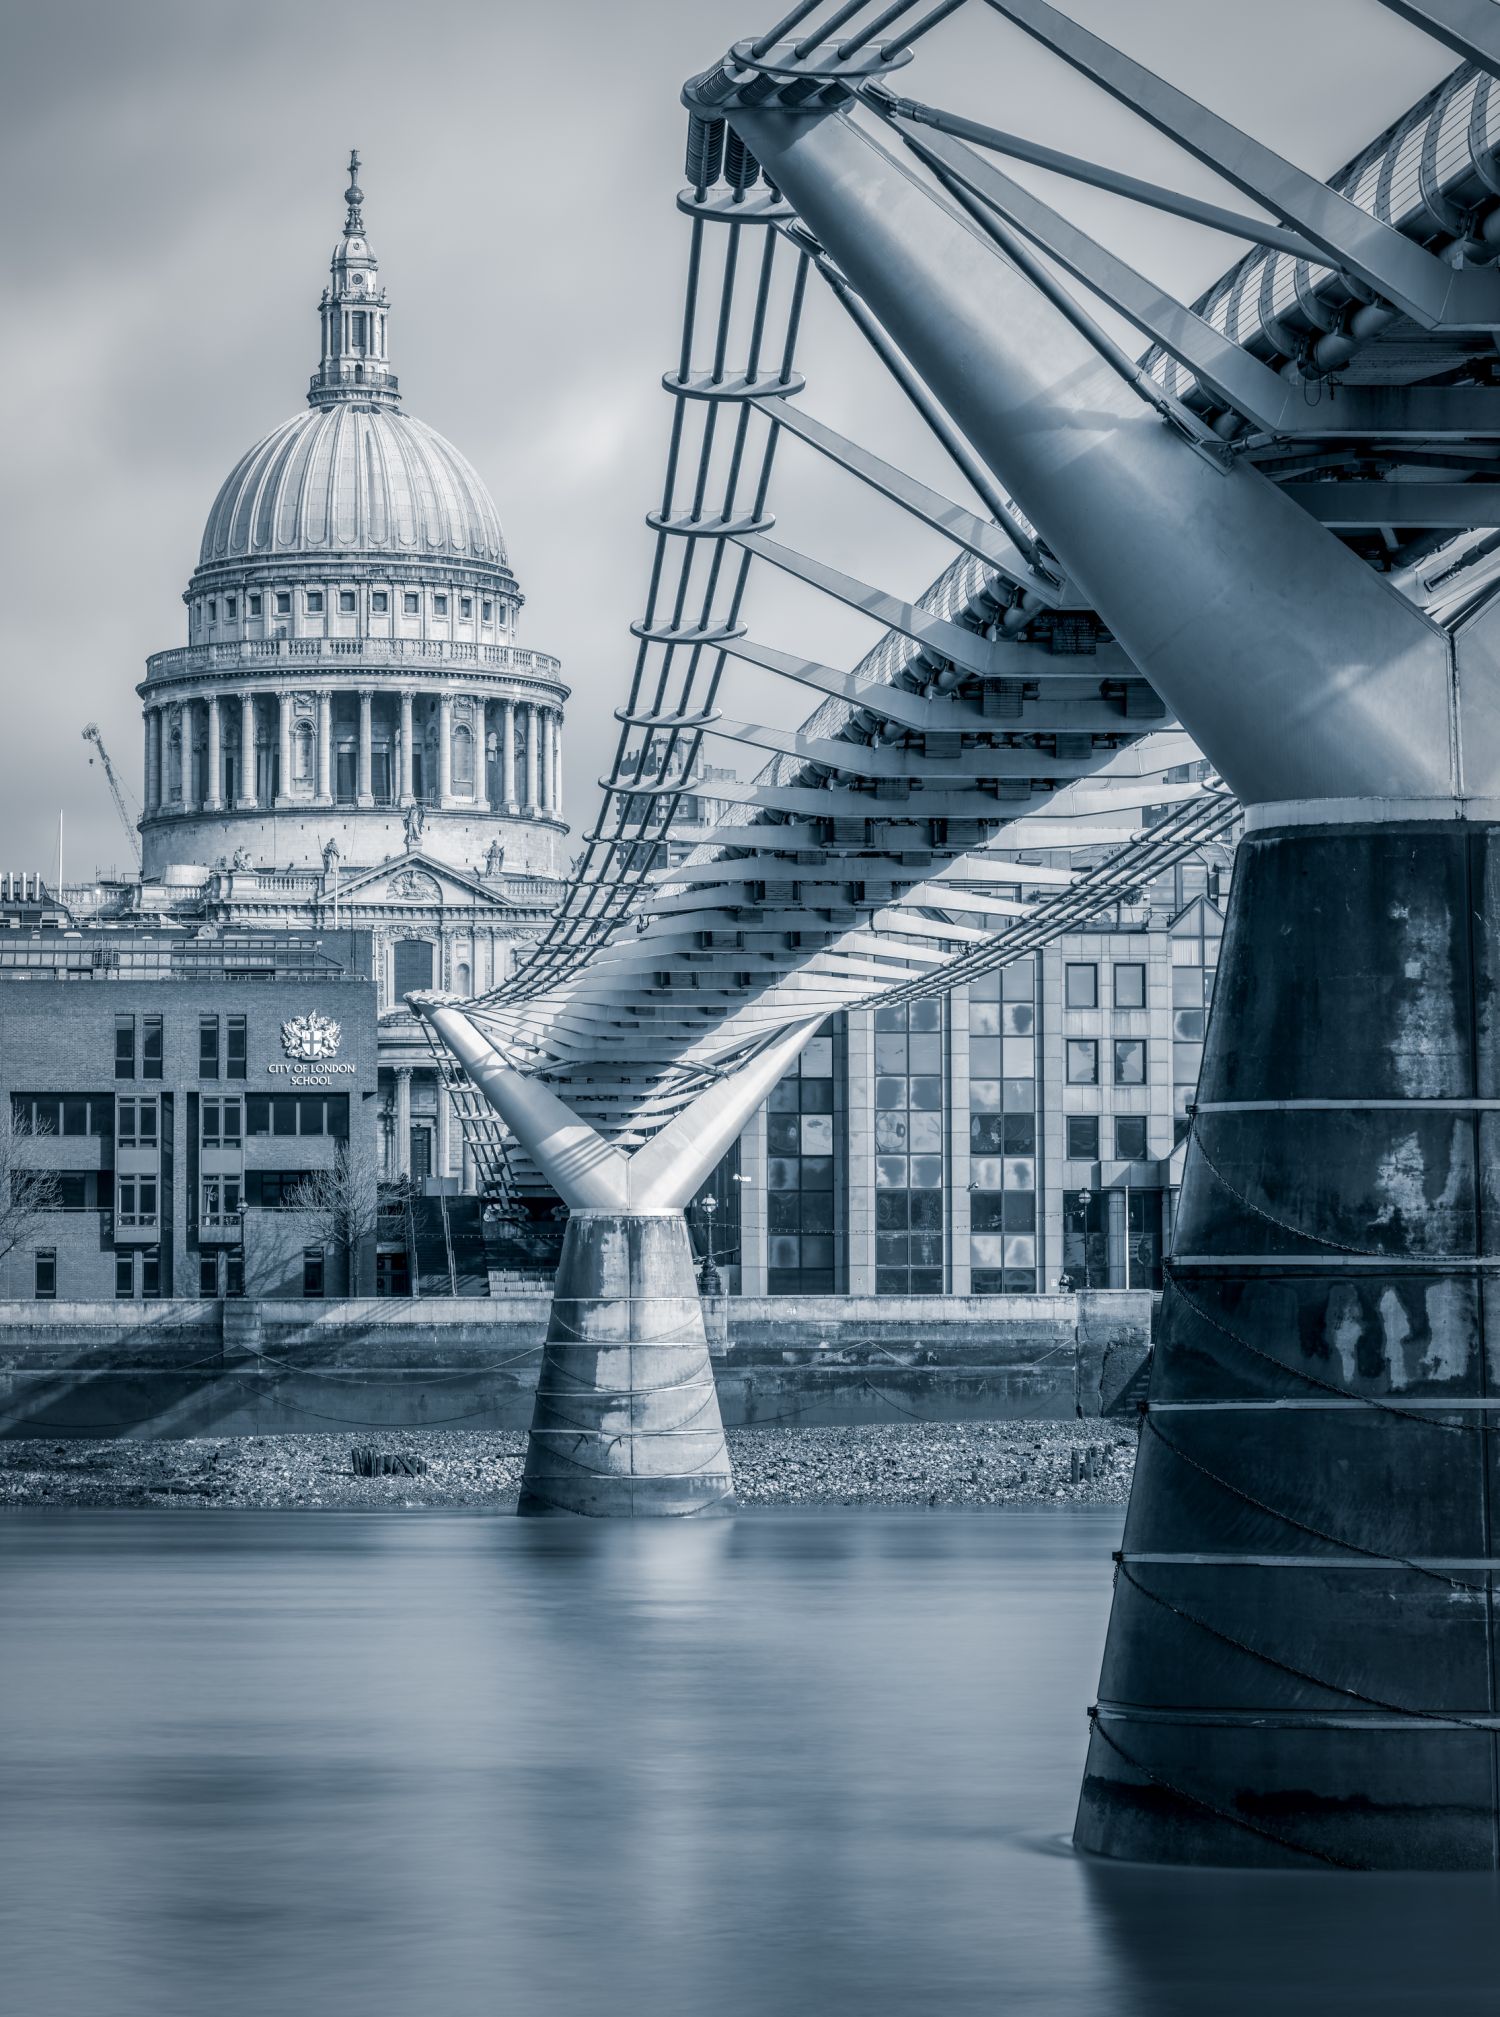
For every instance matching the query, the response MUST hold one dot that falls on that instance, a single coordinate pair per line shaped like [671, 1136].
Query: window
[488, 610]
[909, 1251]
[1083, 1061]
[463, 761]
[254, 605]
[1002, 1132]
[135, 1200]
[236, 1050]
[208, 1047]
[802, 1132]
[1130, 1138]
[315, 602]
[298, 1114]
[124, 1276]
[150, 1271]
[137, 1125]
[466, 605]
[274, 1190]
[124, 1047]
[208, 1276]
[221, 1197]
[380, 602]
[151, 1047]
[222, 1124]
[283, 602]
[413, 966]
[62, 1114]
[440, 605]
[213, 609]
[45, 1286]
[346, 601]
[1083, 1137]
[70, 1190]
[312, 1271]
[231, 604]
[1130, 985]
[1081, 985]
[411, 604]
[1130, 1061]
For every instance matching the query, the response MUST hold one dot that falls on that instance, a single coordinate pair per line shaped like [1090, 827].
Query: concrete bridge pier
[626, 1422]
[627, 1414]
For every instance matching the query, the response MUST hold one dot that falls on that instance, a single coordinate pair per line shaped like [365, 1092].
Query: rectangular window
[1083, 1061]
[346, 601]
[208, 1276]
[46, 1274]
[254, 602]
[315, 602]
[124, 1047]
[466, 605]
[221, 1197]
[213, 609]
[312, 1271]
[208, 1047]
[411, 604]
[135, 1200]
[440, 605]
[1130, 1138]
[151, 1047]
[283, 602]
[1130, 985]
[124, 1276]
[1130, 1061]
[1083, 1137]
[298, 1114]
[236, 1048]
[274, 1190]
[1081, 985]
[221, 1124]
[151, 1271]
[380, 602]
[137, 1126]
[231, 604]
[488, 610]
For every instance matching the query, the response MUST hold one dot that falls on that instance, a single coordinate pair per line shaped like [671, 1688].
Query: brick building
[179, 1089]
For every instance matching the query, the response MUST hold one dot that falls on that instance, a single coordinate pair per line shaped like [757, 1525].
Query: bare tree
[342, 1204]
[26, 1193]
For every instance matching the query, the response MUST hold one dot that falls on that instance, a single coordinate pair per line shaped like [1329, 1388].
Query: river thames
[818, 1761]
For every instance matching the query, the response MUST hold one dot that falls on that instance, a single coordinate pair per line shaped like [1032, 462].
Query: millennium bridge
[1243, 569]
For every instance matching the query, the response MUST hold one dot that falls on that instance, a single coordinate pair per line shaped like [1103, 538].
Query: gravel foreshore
[906, 1464]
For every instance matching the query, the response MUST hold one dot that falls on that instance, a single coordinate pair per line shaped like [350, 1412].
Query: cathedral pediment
[418, 881]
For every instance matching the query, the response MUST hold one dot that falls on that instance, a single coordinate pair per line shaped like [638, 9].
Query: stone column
[247, 798]
[148, 790]
[283, 797]
[189, 733]
[544, 761]
[403, 1120]
[531, 719]
[508, 756]
[213, 798]
[445, 750]
[444, 1131]
[325, 749]
[557, 790]
[366, 793]
[408, 792]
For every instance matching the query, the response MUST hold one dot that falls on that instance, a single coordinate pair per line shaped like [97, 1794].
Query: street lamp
[708, 1275]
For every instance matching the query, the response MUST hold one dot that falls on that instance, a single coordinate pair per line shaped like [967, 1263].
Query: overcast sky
[173, 172]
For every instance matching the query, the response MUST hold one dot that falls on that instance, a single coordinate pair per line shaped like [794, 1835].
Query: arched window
[174, 764]
[463, 760]
[302, 753]
[461, 979]
[413, 964]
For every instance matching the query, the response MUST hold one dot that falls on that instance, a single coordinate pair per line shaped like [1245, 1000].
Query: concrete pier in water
[627, 1413]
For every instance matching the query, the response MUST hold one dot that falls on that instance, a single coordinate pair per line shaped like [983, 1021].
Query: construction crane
[116, 789]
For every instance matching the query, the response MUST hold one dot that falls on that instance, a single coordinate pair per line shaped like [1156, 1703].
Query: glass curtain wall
[909, 1148]
[1003, 1131]
[805, 1176]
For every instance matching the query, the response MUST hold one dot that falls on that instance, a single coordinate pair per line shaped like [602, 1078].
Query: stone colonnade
[496, 753]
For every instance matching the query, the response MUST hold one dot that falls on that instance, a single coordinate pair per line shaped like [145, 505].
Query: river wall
[270, 1368]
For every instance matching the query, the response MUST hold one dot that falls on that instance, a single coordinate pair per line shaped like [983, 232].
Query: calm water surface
[453, 1764]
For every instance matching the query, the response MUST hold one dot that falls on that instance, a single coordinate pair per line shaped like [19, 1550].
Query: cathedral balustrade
[196, 660]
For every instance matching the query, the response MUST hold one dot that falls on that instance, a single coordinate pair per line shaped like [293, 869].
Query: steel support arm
[1470, 28]
[1300, 673]
[1396, 267]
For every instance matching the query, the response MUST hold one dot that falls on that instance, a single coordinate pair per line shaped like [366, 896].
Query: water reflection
[455, 1764]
